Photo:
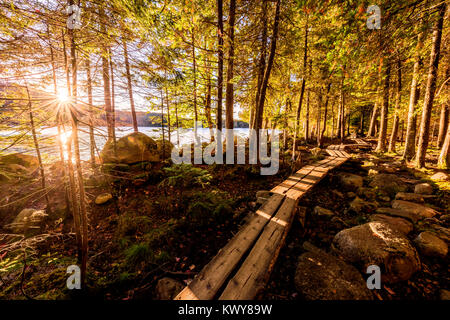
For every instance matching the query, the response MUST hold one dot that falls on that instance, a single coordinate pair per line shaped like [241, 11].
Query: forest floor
[151, 230]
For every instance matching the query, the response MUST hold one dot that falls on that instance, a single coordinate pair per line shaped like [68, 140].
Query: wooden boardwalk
[242, 268]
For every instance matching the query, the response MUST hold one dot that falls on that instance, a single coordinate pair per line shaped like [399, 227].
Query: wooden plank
[283, 187]
[206, 284]
[256, 269]
[254, 272]
[312, 179]
[331, 152]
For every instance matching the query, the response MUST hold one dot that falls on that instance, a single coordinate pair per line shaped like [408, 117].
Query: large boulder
[376, 243]
[419, 210]
[350, 180]
[133, 148]
[388, 183]
[19, 163]
[321, 276]
[28, 219]
[431, 245]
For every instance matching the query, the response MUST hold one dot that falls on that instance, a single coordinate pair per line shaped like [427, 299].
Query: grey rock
[389, 183]
[399, 213]
[423, 188]
[27, 219]
[321, 276]
[351, 181]
[440, 176]
[358, 205]
[400, 224]
[431, 245]
[377, 243]
[414, 197]
[414, 208]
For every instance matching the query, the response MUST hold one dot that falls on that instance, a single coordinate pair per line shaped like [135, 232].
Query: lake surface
[49, 148]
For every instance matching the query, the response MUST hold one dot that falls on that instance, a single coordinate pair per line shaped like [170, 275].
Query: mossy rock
[18, 162]
[133, 148]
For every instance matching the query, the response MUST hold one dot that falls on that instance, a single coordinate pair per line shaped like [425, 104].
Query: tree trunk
[307, 136]
[444, 157]
[66, 65]
[394, 133]
[430, 89]
[325, 113]
[38, 151]
[257, 117]
[82, 197]
[229, 88]
[319, 106]
[91, 115]
[302, 91]
[381, 147]
[106, 83]
[220, 67]
[371, 131]
[194, 67]
[410, 141]
[273, 46]
[129, 84]
[443, 124]
[168, 117]
[113, 99]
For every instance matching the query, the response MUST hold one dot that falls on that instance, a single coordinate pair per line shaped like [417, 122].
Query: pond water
[49, 148]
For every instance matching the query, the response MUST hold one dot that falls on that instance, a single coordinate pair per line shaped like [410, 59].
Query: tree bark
[410, 141]
[257, 117]
[444, 157]
[394, 133]
[302, 91]
[113, 99]
[381, 147]
[430, 89]
[106, 82]
[443, 124]
[130, 86]
[38, 151]
[229, 87]
[91, 115]
[220, 67]
[325, 113]
[308, 93]
[273, 46]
